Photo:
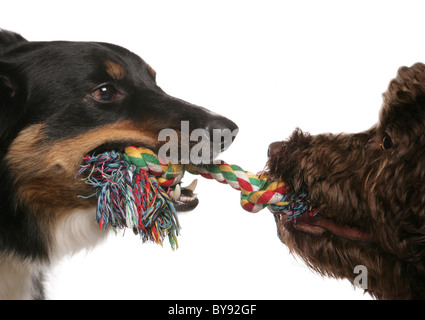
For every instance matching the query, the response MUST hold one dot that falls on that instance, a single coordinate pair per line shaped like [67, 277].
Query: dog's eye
[105, 93]
[386, 143]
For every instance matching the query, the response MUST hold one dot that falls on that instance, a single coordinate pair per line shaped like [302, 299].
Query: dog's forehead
[84, 57]
[114, 69]
[121, 63]
[118, 59]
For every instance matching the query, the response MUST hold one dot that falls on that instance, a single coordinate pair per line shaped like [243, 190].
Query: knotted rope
[133, 191]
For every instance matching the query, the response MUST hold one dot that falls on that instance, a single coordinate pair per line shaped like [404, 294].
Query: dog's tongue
[347, 232]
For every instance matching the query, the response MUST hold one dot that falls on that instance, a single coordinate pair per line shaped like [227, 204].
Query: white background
[270, 66]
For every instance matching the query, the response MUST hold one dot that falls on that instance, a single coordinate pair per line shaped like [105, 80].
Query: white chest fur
[75, 232]
[21, 278]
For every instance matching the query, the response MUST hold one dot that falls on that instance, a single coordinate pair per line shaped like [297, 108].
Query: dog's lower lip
[318, 224]
[187, 201]
[300, 224]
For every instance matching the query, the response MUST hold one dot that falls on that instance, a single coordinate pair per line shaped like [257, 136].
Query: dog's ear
[408, 87]
[8, 87]
[11, 103]
[9, 40]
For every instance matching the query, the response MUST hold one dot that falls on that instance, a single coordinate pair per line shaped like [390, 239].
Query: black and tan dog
[58, 102]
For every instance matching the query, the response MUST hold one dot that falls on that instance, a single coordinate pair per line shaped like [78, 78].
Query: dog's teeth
[187, 199]
[192, 186]
[175, 194]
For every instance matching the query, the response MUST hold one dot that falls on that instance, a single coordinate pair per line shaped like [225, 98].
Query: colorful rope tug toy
[135, 190]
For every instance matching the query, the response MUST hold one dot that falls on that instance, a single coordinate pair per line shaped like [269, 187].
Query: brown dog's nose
[274, 148]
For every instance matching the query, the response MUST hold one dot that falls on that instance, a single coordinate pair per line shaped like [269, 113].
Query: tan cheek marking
[114, 70]
[44, 172]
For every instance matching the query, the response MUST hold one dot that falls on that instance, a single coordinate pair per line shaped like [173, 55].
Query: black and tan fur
[59, 101]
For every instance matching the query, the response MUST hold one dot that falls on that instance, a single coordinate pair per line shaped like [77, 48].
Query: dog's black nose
[274, 148]
[222, 124]
[223, 129]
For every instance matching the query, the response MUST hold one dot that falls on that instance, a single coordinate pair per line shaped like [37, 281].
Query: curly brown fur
[370, 183]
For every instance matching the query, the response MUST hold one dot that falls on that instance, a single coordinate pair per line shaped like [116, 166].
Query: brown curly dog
[369, 189]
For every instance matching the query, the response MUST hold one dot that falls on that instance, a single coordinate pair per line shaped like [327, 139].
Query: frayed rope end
[129, 197]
